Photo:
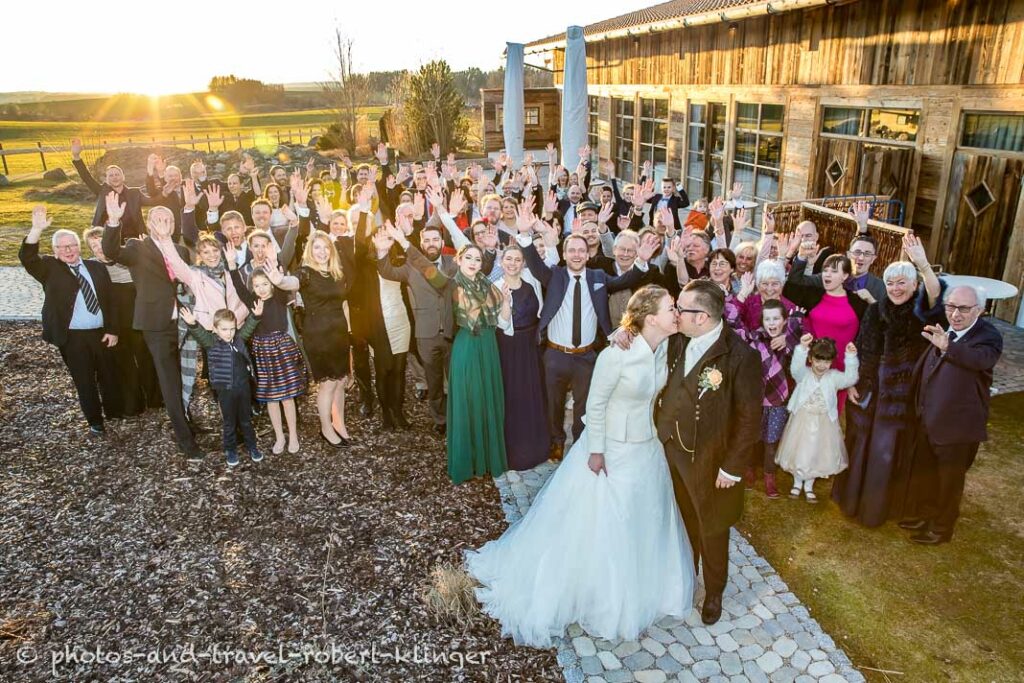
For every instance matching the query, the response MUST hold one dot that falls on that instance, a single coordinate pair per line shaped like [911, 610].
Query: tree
[433, 108]
[348, 92]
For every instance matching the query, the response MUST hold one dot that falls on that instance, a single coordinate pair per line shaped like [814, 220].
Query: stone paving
[21, 297]
[765, 634]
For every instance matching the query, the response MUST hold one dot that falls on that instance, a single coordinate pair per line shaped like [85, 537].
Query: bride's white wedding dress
[607, 552]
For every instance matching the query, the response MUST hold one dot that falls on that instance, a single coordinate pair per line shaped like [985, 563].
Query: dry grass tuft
[450, 595]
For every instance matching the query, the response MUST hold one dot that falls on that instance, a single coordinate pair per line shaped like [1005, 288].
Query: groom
[709, 417]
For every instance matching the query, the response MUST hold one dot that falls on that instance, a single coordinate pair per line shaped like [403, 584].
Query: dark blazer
[556, 284]
[721, 427]
[60, 289]
[952, 390]
[155, 290]
[132, 197]
[675, 202]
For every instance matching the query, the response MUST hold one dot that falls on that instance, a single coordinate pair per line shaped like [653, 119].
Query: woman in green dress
[476, 395]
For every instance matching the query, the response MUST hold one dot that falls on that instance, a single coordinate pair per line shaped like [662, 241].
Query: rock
[785, 647]
[313, 141]
[653, 646]
[609, 660]
[731, 664]
[705, 669]
[651, 676]
[56, 175]
[584, 646]
[4, 182]
[819, 669]
[638, 661]
[626, 648]
[769, 662]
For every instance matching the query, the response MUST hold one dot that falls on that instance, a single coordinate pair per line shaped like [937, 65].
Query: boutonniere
[710, 379]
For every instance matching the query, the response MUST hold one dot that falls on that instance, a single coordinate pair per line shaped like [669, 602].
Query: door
[705, 151]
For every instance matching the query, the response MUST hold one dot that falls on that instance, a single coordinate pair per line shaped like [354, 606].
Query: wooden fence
[240, 139]
[837, 228]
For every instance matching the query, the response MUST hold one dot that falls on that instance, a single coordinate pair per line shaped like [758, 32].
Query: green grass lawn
[946, 613]
[16, 202]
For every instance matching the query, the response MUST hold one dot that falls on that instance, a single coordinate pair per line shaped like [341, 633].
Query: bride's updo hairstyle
[644, 302]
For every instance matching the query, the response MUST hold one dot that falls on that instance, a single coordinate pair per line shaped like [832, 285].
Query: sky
[162, 48]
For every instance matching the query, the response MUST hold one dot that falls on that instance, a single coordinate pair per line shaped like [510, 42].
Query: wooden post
[41, 155]
[209, 147]
[192, 139]
[279, 137]
[4, 157]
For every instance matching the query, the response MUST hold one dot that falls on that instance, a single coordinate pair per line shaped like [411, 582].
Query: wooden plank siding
[535, 137]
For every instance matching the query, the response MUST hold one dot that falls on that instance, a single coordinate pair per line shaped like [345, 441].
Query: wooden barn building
[921, 101]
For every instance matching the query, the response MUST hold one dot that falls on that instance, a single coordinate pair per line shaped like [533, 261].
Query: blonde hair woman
[325, 332]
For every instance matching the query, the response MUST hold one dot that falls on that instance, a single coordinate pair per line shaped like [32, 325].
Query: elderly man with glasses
[953, 380]
[78, 317]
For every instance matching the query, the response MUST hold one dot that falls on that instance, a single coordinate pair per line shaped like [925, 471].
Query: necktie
[577, 313]
[952, 336]
[91, 302]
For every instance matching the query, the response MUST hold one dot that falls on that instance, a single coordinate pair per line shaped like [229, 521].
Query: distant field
[55, 134]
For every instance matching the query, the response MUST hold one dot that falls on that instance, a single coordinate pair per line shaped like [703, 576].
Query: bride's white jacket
[620, 405]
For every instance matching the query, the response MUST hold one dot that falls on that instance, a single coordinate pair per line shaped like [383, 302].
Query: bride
[603, 544]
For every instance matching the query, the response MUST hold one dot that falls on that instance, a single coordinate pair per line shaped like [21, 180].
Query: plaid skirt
[280, 370]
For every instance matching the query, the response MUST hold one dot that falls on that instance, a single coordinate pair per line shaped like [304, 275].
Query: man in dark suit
[709, 418]
[575, 311]
[432, 311]
[952, 391]
[133, 198]
[78, 317]
[156, 310]
[669, 199]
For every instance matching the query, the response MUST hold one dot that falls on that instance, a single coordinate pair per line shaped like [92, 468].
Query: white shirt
[560, 329]
[81, 317]
[695, 350]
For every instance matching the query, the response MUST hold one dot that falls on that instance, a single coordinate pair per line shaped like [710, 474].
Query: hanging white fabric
[513, 103]
[574, 97]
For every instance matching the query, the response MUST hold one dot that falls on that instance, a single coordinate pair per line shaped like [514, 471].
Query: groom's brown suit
[705, 433]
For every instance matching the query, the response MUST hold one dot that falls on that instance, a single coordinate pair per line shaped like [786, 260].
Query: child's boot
[769, 485]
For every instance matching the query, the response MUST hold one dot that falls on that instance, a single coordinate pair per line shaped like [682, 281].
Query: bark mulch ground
[118, 548]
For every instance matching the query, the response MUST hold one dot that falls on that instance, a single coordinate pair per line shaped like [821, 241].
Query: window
[593, 129]
[622, 139]
[894, 125]
[705, 150]
[757, 158]
[531, 117]
[654, 136]
[1004, 132]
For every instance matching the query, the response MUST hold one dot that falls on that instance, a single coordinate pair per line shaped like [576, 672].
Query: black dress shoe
[912, 524]
[386, 421]
[928, 537]
[712, 610]
[194, 453]
[421, 394]
[399, 419]
[341, 444]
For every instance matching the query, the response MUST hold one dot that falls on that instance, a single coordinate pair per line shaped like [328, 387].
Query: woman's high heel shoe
[341, 444]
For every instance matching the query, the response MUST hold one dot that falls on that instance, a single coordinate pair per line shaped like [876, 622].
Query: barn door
[836, 167]
[981, 211]
[886, 171]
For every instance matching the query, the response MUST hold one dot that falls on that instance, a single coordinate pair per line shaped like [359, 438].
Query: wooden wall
[869, 42]
[550, 102]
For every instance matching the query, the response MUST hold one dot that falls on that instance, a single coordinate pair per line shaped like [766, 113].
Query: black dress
[527, 439]
[325, 329]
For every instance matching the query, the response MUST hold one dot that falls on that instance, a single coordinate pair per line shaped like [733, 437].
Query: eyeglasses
[862, 254]
[680, 309]
[962, 310]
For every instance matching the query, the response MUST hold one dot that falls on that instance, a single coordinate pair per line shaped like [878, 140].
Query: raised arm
[82, 169]
[181, 270]
[848, 377]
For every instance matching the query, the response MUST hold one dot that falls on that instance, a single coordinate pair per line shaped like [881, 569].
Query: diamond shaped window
[835, 172]
[979, 198]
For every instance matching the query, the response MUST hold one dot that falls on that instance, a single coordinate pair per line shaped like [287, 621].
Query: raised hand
[716, 209]
[605, 214]
[851, 349]
[769, 221]
[187, 316]
[737, 192]
[310, 167]
[333, 171]
[915, 250]
[396, 234]
[740, 219]
[524, 220]
[366, 198]
[230, 255]
[645, 168]
[247, 166]
[861, 212]
[584, 152]
[747, 284]
[550, 149]
[785, 244]
[257, 308]
[435, 196]
[115, 209]
[323, 209]
[287, 212]
[160, 165]
[577, 225]
[665, 216]
[806, 339]
[382, 242]
[382, 154]
[151, 164]
[40, 221]
[550, 202]
[298, 188]
[490, 238]
[419, 205]
[648, 245]
[937, 336]
[432, 178]
[76, 149]
[456, 203]
[404, 173]
[435, 151]
[213, 196]
[270, 255]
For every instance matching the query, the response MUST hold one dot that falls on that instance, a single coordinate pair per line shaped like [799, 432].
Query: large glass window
[654, 136]
[593, 123]
[705, 150]
[1003, 132]
[896, 125]
[622, 139]
[757, 159]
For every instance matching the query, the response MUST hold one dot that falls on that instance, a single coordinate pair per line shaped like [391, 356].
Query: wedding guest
[324, 289]
[132, 198]
[273, 194]
[78, 318]
[812, 444]
[768, 278]
[156, 307]
[279, 367]
[774, 342]
[862, 282]
[571, 318]
[880, 410]
[230, 373]
[476, 404]
[958, 365]
[670, 199]
[527, 440]
[833, 311]
[136, 375]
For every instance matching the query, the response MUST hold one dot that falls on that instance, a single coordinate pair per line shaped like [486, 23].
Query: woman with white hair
[769, 277]
[879, 427]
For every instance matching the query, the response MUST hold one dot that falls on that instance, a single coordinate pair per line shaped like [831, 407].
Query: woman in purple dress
[526, 426]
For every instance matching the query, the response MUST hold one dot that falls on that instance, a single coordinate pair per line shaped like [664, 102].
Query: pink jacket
[211, 295]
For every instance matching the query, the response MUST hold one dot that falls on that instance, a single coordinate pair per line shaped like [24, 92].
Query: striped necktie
[91, 302]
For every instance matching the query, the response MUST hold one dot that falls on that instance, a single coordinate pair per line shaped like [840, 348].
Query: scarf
[477, 302]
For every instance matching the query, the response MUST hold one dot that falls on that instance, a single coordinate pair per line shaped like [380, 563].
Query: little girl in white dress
[812, 445]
